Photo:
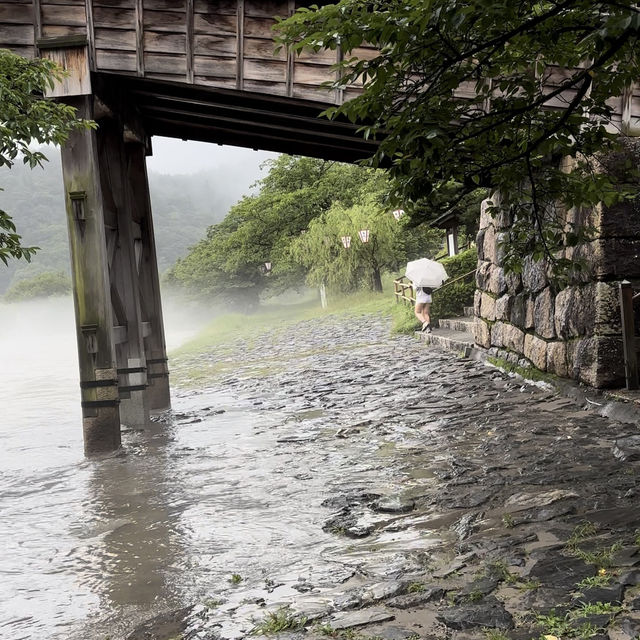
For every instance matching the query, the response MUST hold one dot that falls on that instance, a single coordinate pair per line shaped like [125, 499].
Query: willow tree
[490, 93]
[376, 242]
[26, 117]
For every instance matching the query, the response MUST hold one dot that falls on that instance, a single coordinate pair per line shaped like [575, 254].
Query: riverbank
[232, 343]
[456, 502]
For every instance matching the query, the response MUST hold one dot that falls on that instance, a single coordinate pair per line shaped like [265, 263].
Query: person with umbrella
[423, 306]
[425, 275]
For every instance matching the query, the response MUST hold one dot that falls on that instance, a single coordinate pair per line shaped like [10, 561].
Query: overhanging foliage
[27, 118]
[460, 91]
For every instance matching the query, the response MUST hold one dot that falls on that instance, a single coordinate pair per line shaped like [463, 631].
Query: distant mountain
[183, 207]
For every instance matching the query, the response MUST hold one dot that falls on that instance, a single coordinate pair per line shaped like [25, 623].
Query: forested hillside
[183, 207]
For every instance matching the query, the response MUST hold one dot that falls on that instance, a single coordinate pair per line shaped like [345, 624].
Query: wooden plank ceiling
[198, 69]
[208, 70]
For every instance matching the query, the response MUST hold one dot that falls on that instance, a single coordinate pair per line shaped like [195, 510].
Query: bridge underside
[238, 118]
[121, 344]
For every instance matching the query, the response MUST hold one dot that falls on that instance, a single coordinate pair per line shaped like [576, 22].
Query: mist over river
[91, 547]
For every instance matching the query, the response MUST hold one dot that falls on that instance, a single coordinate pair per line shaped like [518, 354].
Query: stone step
[457, 324]
[468, 312]
[449, 339]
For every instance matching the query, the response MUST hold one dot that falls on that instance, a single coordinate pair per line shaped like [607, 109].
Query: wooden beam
[241, 138]
[240, 46]
[152, 325]
[290, 70]
[628, 335]
[119, 334]
[139, 37]
[189, 45]
[255, 106]
[37, 26]
[150, 86]
[91, 34]
[339, 92]
[61, 42]
[251, 114]
[73, 58]
[92, 299]
[215, 119]
[123, 275]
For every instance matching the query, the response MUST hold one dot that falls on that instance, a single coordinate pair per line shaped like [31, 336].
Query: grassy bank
[274, 317]
[233, 343]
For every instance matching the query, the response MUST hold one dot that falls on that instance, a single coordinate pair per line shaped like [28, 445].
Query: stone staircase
[453, 334]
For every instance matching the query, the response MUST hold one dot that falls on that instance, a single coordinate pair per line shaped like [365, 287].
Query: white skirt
[422, 297]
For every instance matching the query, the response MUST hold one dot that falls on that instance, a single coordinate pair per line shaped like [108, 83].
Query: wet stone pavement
[456, 501]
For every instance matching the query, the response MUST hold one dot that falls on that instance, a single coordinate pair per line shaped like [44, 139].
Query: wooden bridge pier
[121, 346]
[157, 391]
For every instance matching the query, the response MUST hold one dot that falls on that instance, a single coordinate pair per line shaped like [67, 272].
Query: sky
[173, 156]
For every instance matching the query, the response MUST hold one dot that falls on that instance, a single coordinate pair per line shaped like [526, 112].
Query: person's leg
[426, 312]
[421, 315]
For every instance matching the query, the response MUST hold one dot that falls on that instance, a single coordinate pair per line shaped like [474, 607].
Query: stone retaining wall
[574, 332]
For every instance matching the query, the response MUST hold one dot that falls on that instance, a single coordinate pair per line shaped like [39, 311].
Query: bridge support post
[91, 286]
[149, 282]
[123, 241]
[121, 344]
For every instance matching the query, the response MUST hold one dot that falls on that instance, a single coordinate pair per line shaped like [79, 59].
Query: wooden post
[91, 287]
[323, 296]
[452, 240]
[149, 281]
[628, 335]
[240, 45]
[123, 270]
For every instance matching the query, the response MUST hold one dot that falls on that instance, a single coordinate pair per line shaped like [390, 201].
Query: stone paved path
[469, 504]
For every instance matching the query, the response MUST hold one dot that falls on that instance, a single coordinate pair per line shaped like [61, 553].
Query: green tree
[390, 244]
[26, 117]
[491, 93]
[44, 285]
[260, 229]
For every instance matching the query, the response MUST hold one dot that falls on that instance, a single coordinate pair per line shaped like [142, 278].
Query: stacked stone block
[574, 332]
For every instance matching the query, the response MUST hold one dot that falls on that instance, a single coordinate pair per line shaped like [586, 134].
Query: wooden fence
[630, 339]
[403, 289]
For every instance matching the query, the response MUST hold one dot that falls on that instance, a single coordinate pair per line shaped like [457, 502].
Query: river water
[93, 547]
[90, 546]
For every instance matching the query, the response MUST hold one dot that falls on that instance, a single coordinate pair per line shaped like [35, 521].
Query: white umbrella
[426, 273]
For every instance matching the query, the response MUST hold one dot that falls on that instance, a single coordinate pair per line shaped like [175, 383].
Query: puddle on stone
[310, 414]
[420, 473]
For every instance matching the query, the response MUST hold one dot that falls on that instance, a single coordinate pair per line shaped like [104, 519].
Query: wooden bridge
[193, 69]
